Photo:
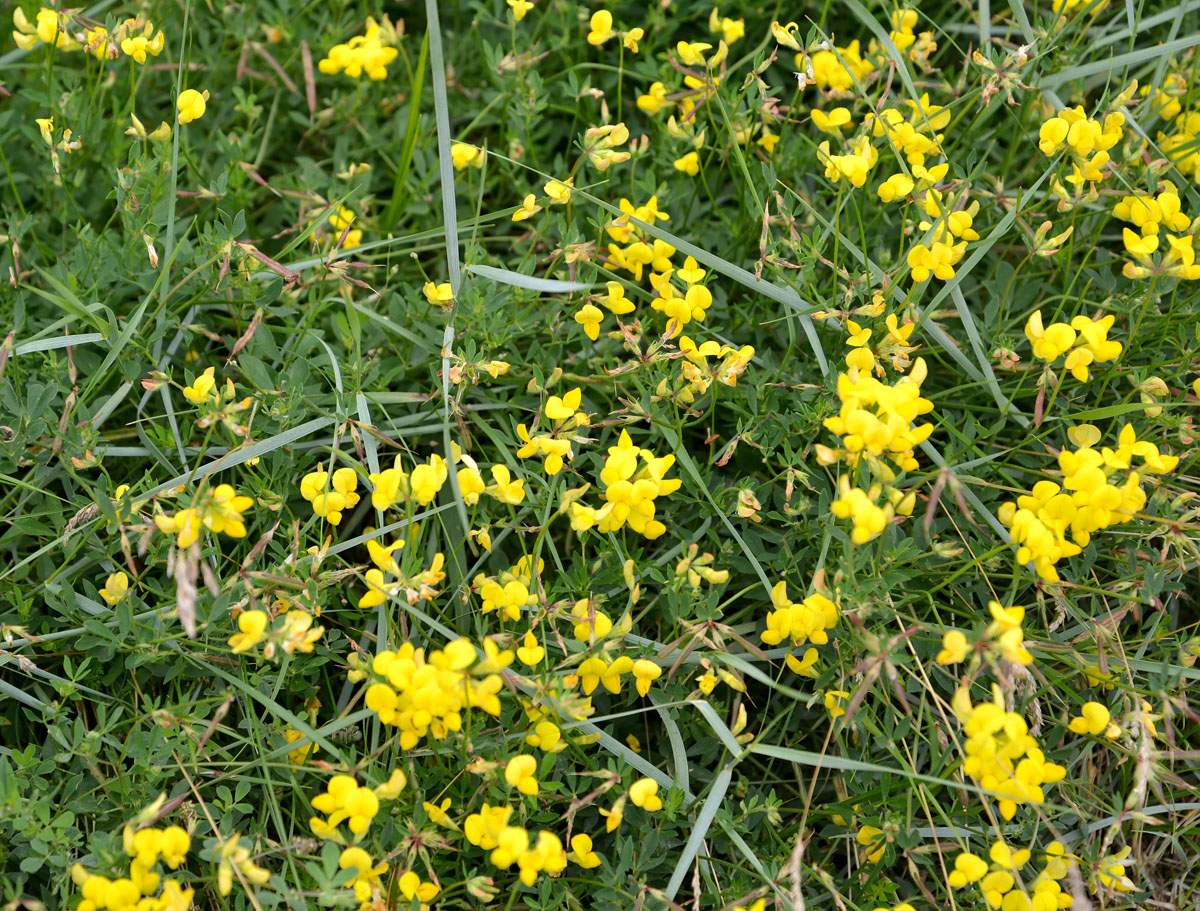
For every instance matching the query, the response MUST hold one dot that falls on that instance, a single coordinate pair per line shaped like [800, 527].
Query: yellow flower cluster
[1088, 141]
[489, 829]
[421, 586]
[1150, 214]
[509, 592]
[629, 491]
[836, 70]
[853, 166]
[1001, 884]
[295, 633]
[1001, 754]
[144, 889]
[1054, 522]
[600, 145]
[914, 133]
[601, 30]
[876, 420]
[876, 424]
[1182, 143]
[368, 53]
[1085, 338]
[681, 305]
[696, 374]
[344, 800]
[218, 509]
[136, 38]
[422, 694]
[950, 230]
[800, 622]
[595, 671]
[393, 485]
[554, 447]
[50, 26]
[1003, 636]
[697, 567]
[330, 496]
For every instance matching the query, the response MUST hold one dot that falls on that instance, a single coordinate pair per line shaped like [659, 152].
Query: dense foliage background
[373, 292]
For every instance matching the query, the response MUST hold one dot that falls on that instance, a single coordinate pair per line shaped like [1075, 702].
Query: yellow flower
[786, 34]
[519, 9]
[954, 648]
[368, 53]
[529, 208]
[582, 853]
[560, 191]
[968, 868]
[689, 164]
[115, 588]
[654, 100]
[438, 294]
[410, 884]
[505, 488]
[191, 105]
[520, 772]
[644, 794]
[833, 122]
[1094, 719]
[201, 391]
[692, 54]
[833, 703]
[631, 38]
[601, 28]
[873, 840]
[589, 316]
[531, 652]
[465, 155]
[613, 817]
[252, 625]
[645, 672]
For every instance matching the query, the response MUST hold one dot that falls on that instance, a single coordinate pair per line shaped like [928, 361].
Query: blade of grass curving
[240, 456]
[21, 696]
[53, 344]
[720, 728]
[752, 858]
[1120, 62]
[441, 109]
[370, 445]
[169, 240]
[529, 282]
[400, 184]
[678, 752]
[6, 658]
[700, 830]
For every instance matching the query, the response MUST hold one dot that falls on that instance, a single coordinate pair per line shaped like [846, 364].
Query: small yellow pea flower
[519, 8]
[191, 105]
[438, 293]
[644, 794]
[689, 164]
[116, 587]
[520, 774]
